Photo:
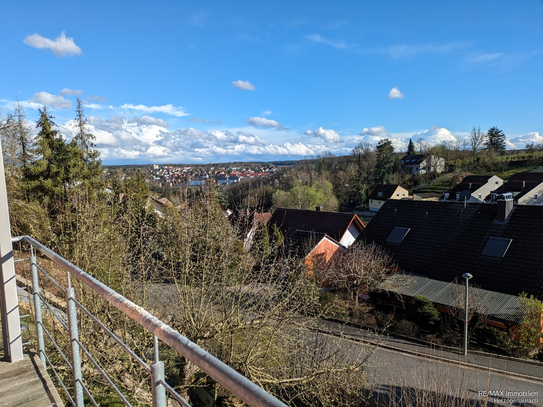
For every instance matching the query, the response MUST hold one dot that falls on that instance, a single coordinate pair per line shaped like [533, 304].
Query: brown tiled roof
[334, 224]
[447, 239]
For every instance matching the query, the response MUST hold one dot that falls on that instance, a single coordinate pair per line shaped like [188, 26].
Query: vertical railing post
[37, 304]
[157, 375]
[74, 341]
[9, 303]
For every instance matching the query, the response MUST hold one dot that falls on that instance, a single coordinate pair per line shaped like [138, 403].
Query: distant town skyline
[209, 82]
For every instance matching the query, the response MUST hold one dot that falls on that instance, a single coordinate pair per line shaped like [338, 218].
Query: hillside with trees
[188, 266]
[253, 307]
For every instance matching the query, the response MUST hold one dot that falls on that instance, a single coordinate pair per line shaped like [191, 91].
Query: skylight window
[397, 235]
[497, 247]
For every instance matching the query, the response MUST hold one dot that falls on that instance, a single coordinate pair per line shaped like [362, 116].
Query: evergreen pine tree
[385, 162]
[411, 148]
[85, 141]
[24, 139]
[495, 140]
[54, 169]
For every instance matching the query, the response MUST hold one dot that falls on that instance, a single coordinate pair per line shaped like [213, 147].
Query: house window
[403, 193]
[397, 194]
[379, 202]
[480, 196]
[496, 247]
[497, 182]
[397, 235]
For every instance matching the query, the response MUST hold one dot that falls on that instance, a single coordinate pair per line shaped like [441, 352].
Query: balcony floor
[26, 383]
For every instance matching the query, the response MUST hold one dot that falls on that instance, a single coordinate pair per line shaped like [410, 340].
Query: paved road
[403, 378]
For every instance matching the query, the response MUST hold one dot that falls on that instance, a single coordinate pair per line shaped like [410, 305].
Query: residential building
[474, 188]
[500, 245]
[381, 193]
[344, 228]
[160, 204]
[316, 249]
[526, 188]
[417, 164]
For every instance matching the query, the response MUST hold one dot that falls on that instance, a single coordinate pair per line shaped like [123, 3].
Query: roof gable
[334, 224]
[302, 243]
[447, 239]
[382, 192]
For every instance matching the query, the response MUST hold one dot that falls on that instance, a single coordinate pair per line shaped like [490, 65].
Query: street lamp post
[467, 276]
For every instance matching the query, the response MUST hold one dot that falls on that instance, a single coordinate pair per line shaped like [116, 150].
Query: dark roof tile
[334, 224]
[447, 239]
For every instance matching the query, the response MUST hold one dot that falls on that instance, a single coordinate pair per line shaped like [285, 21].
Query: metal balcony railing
[77, 392]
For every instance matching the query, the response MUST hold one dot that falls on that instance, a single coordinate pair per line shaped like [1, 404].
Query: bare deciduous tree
[477, 307]
[362, 267]
[249, 308]
[476, 141]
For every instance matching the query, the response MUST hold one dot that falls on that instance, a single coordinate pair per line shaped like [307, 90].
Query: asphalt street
[405, 373]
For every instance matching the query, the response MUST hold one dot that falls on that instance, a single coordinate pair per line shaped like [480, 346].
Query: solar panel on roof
[497, 247]
[397, 235]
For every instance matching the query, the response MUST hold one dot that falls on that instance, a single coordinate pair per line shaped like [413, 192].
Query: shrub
[407, 328]
[427, 314]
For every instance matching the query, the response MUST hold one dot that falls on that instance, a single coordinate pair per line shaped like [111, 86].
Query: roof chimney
[504, 205]
[319, 208]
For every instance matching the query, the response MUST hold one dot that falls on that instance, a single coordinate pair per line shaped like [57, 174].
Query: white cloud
[54, 101]
[244, 85]
[435, 135]
[519, 142]
[149, 121]
[328, 135]
[248, 138]
[379, 132]
[68, 92]
[137, 140]
[167, 109]
[97, 98]
[96, 106]
[406, 51]
[198, 120]
[266, 123]
[320, 39]
[481, 58]
[395, 93]
[61, 46]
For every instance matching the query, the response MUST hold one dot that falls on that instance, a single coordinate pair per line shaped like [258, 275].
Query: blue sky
[216, 81]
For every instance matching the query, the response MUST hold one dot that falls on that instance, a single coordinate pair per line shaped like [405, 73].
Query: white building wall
[350, 236]
[480, 194]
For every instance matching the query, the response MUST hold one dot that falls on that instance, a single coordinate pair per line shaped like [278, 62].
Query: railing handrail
[233, 381]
